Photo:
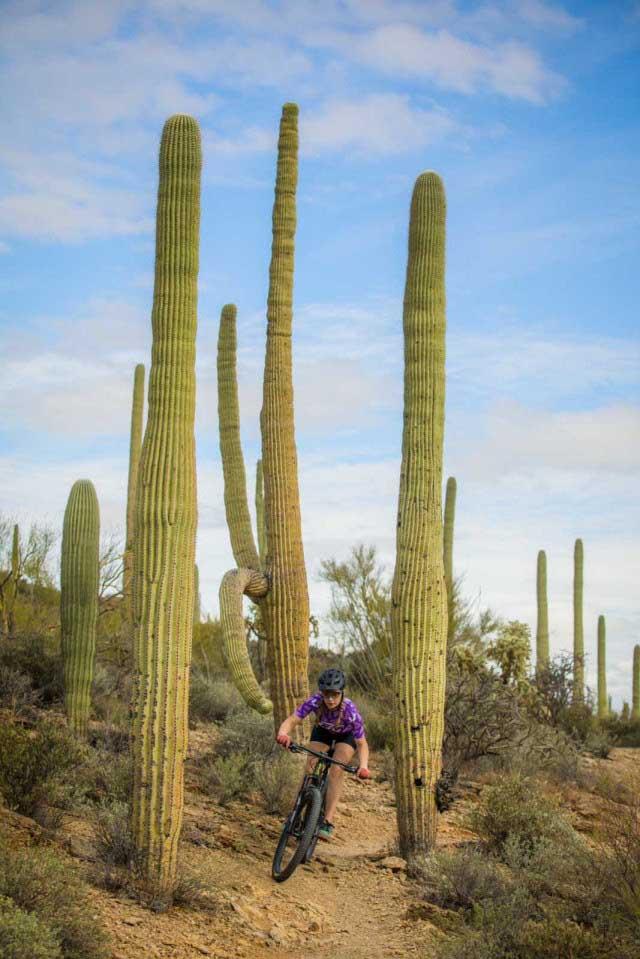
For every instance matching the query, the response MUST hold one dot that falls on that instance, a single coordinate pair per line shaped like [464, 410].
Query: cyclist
[338, 724]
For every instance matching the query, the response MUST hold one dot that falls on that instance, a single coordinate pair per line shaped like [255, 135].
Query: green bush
[463, 879]
[29, 762]
[227, 778]
[598, 743]
[248, 735]
[277, 781]
[16, 692]
[23, 936]
[41, 884]
[34, 656]
[211, 700]
[114, 841]
[515, 809]
[378, 722]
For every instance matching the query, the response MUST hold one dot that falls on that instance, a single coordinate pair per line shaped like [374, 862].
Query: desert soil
[354, 901]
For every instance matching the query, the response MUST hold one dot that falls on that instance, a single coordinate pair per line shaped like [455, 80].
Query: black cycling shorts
[321, 735]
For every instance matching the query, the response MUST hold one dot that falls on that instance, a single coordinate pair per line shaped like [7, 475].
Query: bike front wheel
[297, 835]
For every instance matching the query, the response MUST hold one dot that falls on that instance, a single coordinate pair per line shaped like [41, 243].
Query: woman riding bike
[338, 724]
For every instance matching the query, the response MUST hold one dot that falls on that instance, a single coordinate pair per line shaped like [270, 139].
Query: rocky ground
[353, 901]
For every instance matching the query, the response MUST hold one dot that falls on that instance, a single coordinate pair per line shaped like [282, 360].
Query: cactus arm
[135, 443]
[449, 522]
[166, 517]
[419, 599]
[235, 584]
[79, 583]
[542, 628]
[603, 702]
[286, 606]
[578, 626]
[235, 483]
[635, 688]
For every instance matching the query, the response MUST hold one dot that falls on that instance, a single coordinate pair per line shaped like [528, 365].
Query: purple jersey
[343, 719]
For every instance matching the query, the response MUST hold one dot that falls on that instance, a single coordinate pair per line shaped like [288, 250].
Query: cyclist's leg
[343, 752]
[320, 742]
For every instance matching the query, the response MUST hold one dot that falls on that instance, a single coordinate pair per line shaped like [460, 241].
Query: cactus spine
[79, 583]
[419, 600]
[282, 586]
[578, 628]
[449, 522]
[135, 442]
[603, 703]
[635, 695]
[542, 629]
[166, 516]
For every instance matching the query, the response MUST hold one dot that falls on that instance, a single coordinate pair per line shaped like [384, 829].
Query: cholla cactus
[166, 517]
[542, 629]
[79, 583]
[603, 703]
[419, 596]
[279, 582]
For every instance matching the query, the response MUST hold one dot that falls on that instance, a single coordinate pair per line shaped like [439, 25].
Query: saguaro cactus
[603, 702]
[449, 522]
[135, 442]
[419, 600]
[542, 629]
[79, 583]
[578, 629]
[635, 696]
[260, 522]
[166, 515]
[282, 586]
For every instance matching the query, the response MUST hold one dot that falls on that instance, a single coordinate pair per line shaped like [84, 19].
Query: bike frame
[318, 776]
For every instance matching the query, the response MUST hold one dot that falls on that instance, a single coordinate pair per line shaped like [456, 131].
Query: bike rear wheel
[297, 835]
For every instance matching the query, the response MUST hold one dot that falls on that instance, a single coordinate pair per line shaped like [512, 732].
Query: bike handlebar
[297, 748]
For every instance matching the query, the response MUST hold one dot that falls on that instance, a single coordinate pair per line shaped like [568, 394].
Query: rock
[314, 926]
[276, 935]
[394, 863]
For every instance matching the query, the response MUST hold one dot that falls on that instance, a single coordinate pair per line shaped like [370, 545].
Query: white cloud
[382, 123]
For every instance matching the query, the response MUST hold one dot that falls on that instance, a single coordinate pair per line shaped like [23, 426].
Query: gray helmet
[332, 681]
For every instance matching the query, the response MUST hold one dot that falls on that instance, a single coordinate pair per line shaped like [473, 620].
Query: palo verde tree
[166, 516]
[419, 596]
[279, 582]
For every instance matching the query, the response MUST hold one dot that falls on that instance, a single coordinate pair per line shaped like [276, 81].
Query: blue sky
[528, 110]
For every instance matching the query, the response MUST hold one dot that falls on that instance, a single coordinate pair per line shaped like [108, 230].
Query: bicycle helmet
[331, 681]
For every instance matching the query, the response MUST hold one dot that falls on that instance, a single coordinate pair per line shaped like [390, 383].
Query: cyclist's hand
[363, 773]
[283, 740]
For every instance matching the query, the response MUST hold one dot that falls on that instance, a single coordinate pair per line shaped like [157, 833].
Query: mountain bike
[300, 831]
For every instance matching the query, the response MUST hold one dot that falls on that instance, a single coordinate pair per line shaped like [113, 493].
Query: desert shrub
[43, 885]
[211, 700]
[228, 778]
[30, 760]
[16, 692]
[32, 655]
[23, 936]
[623, 733]
[463, 878]
[97, 777]
[378, 721]
[277, 781]
[247, 734]
[386, 766]
[109, 738]
[114, 842]
[598, 743]
[550, 752]
[515, 809]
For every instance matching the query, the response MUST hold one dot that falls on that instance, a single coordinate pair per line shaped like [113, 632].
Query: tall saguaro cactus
[635, 693]
[79, 583]
[419, 600]
[135, 443]
[578, 628]
[542, 628]
[449, 523]
[166, 516]
[603, 702]
[280, 582]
